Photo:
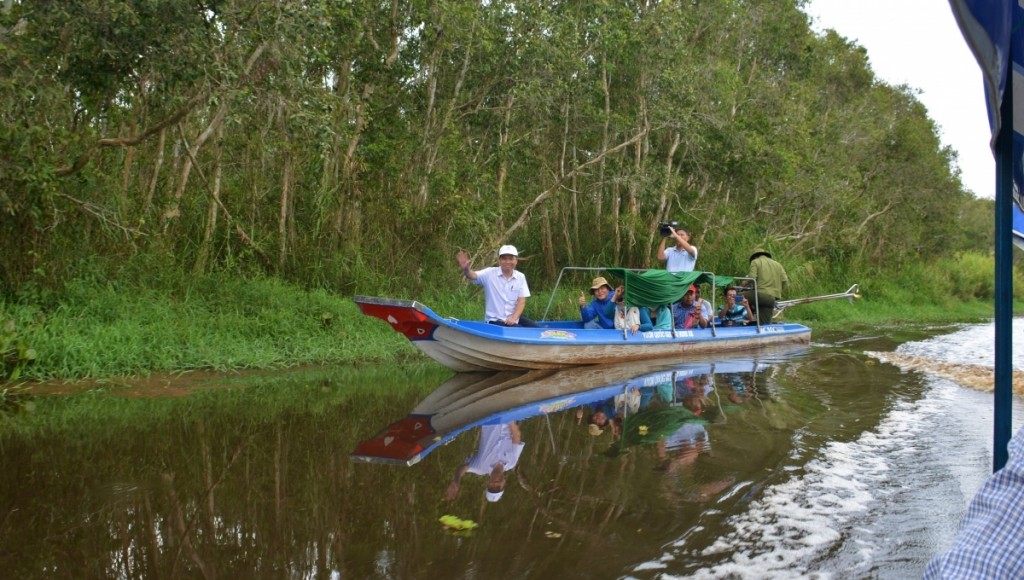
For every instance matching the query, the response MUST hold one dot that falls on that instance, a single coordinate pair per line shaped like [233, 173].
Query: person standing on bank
[505, 288]
[680, 258]
[771, 281]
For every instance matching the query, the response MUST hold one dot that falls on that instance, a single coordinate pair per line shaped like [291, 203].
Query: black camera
[666, 228]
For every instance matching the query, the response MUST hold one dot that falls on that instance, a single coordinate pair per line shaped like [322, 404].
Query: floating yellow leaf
[455, 523]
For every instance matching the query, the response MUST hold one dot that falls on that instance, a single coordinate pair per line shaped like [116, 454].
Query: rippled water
[881, 505]
[854, 458]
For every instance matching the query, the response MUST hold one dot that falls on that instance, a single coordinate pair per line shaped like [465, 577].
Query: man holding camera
[682, 257]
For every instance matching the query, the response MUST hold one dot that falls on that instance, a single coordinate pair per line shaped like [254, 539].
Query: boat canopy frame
[645, 292]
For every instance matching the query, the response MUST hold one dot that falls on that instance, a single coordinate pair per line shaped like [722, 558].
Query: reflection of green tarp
[657, 287]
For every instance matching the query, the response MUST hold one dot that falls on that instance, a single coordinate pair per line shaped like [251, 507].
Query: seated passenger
[626, 316]
[604, 417]
[734, 312]
[688, 313]
[595, 314]
[635, 318]
[705, 307]
[662, 316]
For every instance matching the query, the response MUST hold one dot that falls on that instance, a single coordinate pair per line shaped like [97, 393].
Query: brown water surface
[249, 475]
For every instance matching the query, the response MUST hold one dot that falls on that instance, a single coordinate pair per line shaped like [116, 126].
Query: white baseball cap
[508, 249]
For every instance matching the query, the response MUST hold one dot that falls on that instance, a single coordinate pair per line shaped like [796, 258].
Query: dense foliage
[356, 145]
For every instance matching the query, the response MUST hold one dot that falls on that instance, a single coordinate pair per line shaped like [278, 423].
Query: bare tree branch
[106, 216]
[82, 160]
[524, 217]
[864, 223]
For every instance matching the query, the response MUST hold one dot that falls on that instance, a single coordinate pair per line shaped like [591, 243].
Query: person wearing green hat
[771, 281]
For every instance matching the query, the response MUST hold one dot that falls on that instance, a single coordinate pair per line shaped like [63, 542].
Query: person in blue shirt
[990, 540]
[595, 314]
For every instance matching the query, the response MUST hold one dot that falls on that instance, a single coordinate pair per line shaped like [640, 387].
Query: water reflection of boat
[470, 400]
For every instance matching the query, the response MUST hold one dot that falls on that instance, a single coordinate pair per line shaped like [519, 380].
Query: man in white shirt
[498, 452]
[505, 288]
[682, 257]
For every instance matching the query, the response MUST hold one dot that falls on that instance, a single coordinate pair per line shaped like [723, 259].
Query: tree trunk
[503, 155]
[430, 69]
[126, 168]
[284, 214]
[605, 139]
[434, 132]
[212, 210]
[549, 246]
[347, 184]
[173, 210]
[151, 190]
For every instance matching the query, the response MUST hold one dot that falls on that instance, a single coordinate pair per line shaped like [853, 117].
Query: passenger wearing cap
[771, 280]
[505, 288]
[689, 311]
[596, 313]
[499, 450]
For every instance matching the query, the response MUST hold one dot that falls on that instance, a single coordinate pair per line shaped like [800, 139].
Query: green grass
[216, 323]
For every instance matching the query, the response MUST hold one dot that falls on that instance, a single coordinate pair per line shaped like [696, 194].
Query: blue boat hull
[472, 345]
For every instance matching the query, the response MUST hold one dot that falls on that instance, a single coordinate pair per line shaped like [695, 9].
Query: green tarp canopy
[656, 287]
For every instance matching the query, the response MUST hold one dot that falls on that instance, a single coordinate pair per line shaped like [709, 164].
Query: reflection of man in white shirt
[498, 452]
[690, 434]
[678, 455]
[682, 257]
[680, 449]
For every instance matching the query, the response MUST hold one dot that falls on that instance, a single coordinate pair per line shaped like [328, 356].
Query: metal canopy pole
[1003, 390]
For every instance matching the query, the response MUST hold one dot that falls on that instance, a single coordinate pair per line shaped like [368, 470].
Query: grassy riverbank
[220, 322]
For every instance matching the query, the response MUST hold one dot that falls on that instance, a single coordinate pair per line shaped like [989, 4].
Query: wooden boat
[470, 400]
[474, 345]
